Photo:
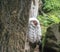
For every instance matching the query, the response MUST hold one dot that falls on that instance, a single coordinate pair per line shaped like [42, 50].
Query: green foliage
[54, 18]
[49, 18]
[53, 12]
[51, 5]
[45, 20]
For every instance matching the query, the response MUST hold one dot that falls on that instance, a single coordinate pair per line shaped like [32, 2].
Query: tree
[52, 38]
[13, 24]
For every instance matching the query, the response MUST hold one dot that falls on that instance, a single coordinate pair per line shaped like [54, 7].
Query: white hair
[34, 32]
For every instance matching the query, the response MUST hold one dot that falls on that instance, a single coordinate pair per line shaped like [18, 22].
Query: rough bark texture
[52, 39]
[13, 24]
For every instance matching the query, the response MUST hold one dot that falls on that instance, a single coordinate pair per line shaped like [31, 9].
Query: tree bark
[34, 9]
[52, 39]
[14, 16]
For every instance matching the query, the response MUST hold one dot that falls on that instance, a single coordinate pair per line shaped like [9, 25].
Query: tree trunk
[52, 39]
[13, 24]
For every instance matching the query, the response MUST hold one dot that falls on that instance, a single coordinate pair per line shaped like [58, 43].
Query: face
[35, 22]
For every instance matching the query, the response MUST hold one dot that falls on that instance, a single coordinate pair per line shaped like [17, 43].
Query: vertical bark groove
[14, 16]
